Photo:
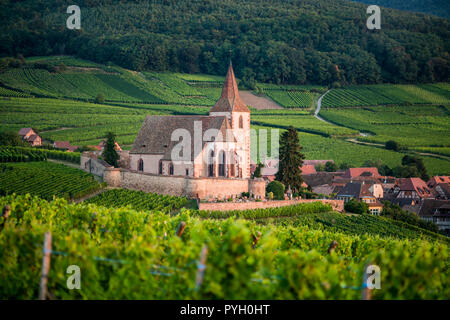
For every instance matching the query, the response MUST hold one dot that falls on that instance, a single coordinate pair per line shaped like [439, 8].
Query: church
[203, 157]
[218, 145]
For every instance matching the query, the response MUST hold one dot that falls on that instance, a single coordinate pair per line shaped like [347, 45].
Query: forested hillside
[298, 42]
[439, 8]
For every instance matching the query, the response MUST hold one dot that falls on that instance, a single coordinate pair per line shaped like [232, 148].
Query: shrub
[355, 206]
[392, 145]
[277, 188]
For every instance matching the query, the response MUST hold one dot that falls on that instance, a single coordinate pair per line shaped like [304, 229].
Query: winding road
[319, 104]
[316, 114]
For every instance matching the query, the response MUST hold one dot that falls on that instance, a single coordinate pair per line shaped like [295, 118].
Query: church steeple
[230, 100]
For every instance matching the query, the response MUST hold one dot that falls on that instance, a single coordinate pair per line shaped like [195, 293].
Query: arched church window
[241, 122]
[222, 159]
[232, 163]
[211, 164]
[171, 169]
[160, 167]
[141, 165]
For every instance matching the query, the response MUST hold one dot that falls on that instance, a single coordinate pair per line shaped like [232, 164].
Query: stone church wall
[203, 188]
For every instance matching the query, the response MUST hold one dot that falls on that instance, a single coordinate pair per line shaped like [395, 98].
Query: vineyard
[305, 123]
[14, 154]
[124, 254]
[138, 200]
[387, 95]
[432, 122]
[22, 154]
[355, 224]
[341, 151]
[291, 98]
[46, 179]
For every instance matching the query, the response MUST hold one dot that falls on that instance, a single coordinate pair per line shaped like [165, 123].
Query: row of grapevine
[124, 254]
[291, 99]
[386, 95]
[46, 179]
[432, 122]
[138, 200]
[13, 154]
[4, 92]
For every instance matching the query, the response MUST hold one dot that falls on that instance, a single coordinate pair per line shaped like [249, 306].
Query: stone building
[202, 157]
[217, 145]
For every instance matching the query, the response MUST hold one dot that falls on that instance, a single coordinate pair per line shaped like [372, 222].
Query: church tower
[231, 106]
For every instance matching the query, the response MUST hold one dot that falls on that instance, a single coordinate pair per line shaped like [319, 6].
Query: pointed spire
[230, 99]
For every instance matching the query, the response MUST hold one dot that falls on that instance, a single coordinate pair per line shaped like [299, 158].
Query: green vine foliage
[126, 254]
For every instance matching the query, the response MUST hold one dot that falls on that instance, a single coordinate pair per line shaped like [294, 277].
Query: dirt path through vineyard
[257, 102]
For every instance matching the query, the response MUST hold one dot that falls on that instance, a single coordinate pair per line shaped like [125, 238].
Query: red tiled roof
[438, 179]
[415, 184]
[230, 99]
[357, 172]
[33, 137]
[62, 144]
[308, 169]
[24, 131]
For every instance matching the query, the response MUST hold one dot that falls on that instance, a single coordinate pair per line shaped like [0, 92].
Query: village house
[437, 180]
[412, 188]
[437, 211]
[361, 191]
[64, 145]
[440, 186]
[30, 136]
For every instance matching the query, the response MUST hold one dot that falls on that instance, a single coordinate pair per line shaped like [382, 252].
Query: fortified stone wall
[90, 163]
[337, 205]
[203, 188]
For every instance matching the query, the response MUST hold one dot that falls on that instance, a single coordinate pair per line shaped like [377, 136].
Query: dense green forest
[280, 41]
[439, 8]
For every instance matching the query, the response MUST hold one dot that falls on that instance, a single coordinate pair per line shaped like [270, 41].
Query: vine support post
[256, 239]
[332, 246]
[45, 265]
[180, 228]
[201, 267]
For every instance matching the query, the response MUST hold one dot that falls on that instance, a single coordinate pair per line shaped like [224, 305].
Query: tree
[277, 188]
[320, 167]
[418, 164]
[344, 166]
[355, 206]
[100, 98]
[395, 212]
[405, 172]
[248, 79]
[330, 166]
[10, 138]
[291, 160]
[392, 145]
[109, 153]
[383, 169]
[257, 173]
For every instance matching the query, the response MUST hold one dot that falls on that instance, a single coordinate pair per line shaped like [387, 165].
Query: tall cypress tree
[109, 153]
[291, 160]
